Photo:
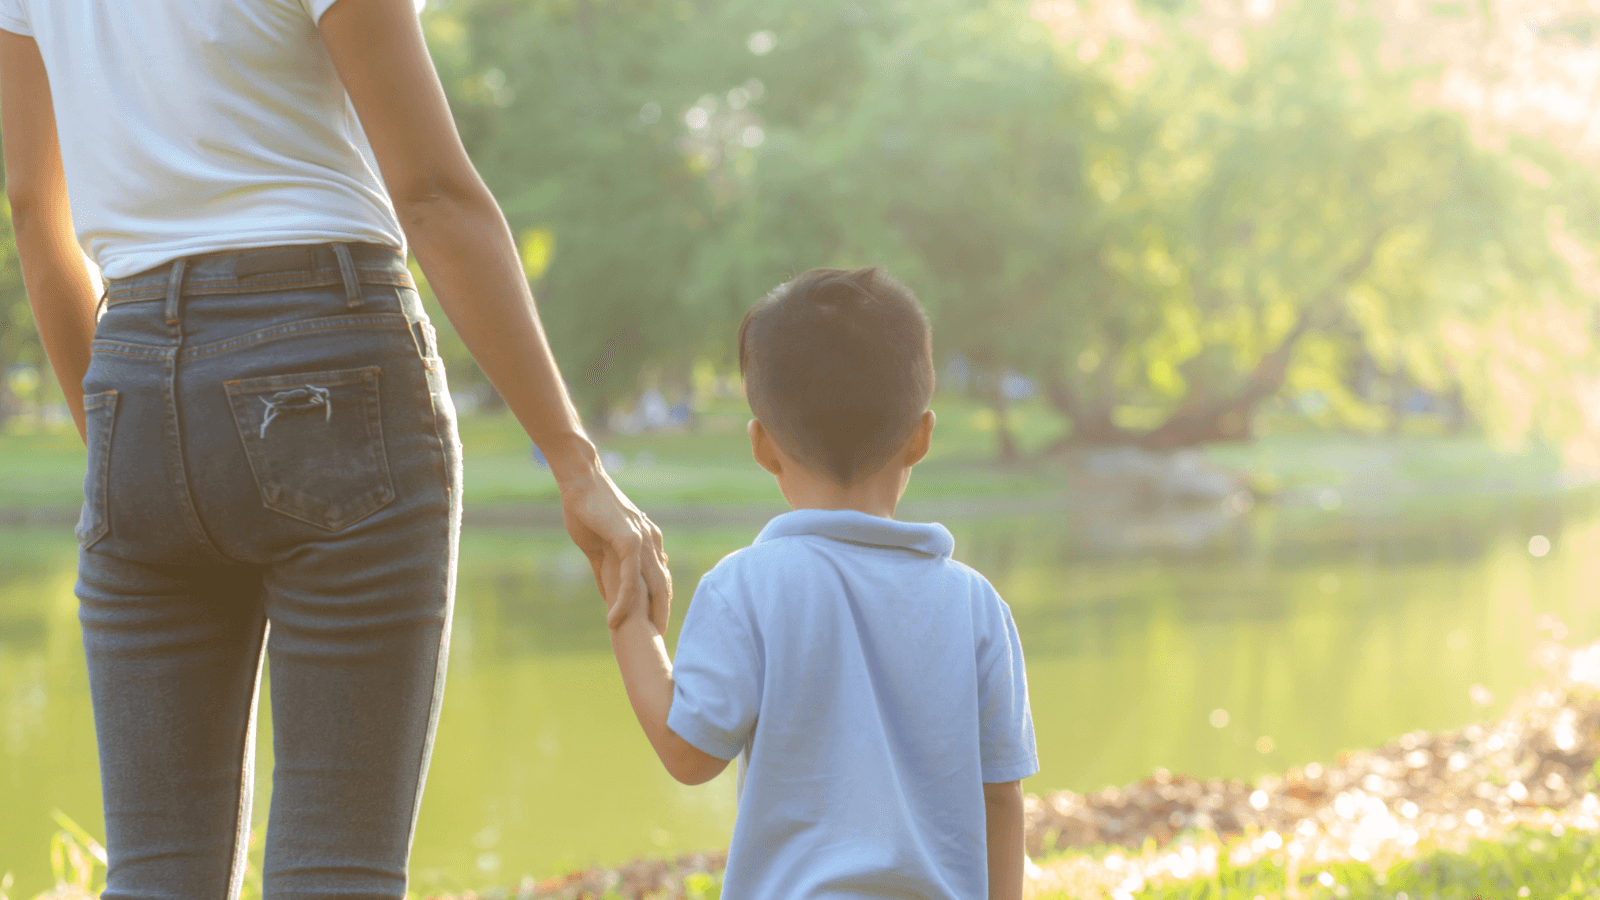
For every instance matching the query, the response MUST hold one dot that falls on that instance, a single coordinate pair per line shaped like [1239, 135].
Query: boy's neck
[875, 496]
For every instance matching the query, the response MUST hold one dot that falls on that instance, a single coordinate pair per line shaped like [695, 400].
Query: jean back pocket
[315, 444]
[100, 420]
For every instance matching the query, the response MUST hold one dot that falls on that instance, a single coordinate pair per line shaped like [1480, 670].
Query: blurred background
[1269, 395]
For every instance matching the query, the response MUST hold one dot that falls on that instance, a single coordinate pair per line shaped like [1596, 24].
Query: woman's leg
[173, 656]
[357, 655]
[172, 630]
[319, 447]
[359, 599]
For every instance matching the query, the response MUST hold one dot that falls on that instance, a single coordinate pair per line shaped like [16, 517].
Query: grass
[78, 862]
[1526, 863]
[711, 466]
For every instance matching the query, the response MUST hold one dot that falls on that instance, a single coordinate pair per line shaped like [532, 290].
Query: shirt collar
[930, 539]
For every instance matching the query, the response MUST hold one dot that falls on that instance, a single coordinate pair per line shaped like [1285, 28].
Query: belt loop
[105, 296]
[175, 290]
[347, 269]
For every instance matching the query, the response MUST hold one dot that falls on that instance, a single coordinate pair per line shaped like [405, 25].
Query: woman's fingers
[630, 590]
[625, 549]
[658, 578]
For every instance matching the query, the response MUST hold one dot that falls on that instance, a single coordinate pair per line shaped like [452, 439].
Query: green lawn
[711, 466]
[1527, 863]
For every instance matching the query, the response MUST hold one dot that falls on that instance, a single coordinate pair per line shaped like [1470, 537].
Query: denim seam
[178, 469]
[131, 350]
[95, 401]
[278, 382]
[97, 493]
[442, 654]
[152, 351]
[292, 328]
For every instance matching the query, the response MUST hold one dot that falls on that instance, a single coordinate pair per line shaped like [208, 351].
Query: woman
[270, 436]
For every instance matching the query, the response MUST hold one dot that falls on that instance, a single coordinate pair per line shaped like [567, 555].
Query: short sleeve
[315, 8]
[716, 675]
[14, 17]
[1005, 723]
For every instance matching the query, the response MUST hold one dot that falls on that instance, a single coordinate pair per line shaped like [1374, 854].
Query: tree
[1268, 223]
[572, 112]
[1168, 239]
[950, 154]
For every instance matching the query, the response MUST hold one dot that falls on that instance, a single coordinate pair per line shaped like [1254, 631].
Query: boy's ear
[762, 449]
[917, 446]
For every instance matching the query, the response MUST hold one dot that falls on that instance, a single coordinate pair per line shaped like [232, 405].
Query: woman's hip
[239, 426]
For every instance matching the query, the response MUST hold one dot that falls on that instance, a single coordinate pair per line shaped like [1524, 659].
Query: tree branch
[1229, 418]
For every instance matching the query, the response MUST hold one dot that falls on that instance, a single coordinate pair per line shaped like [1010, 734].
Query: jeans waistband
[266, 269]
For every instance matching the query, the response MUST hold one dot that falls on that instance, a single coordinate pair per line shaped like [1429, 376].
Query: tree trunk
[1091, 422]
[597, 417]
[490, 399]
[1199, 419]
[1397, 402]
[1007, 445]
[1456, 415]
[1230, 418]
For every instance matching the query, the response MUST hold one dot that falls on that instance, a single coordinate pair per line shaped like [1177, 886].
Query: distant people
[872, 687]
[271, 440]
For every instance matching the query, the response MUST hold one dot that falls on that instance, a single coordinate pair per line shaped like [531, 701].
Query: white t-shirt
[190, 126]
[870, 686]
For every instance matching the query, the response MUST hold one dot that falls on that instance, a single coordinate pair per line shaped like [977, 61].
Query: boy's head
[838, 368]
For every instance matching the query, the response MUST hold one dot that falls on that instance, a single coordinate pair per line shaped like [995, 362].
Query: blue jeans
[273, 471]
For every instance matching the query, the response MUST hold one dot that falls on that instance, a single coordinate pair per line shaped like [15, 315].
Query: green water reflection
[1315, 632]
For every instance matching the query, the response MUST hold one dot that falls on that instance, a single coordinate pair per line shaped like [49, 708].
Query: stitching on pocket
[314, 441]
[100, 420]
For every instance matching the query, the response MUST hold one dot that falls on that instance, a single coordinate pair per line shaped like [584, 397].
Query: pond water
[1285, 638]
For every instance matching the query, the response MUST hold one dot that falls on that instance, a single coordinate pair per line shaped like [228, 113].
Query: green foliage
[78, 861]
[701, 886]
[573, 113]
[19, 339]
[1163, 237]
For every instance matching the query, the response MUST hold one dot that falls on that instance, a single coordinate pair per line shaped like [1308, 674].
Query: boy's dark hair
[838, 368]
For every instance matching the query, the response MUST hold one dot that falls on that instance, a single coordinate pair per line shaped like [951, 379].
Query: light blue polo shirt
[870, 685]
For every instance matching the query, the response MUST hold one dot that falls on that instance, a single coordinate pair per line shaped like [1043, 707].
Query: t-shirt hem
[15, 25]
[699, 737]
[317, 8]
[123, 264]
[1012, 772]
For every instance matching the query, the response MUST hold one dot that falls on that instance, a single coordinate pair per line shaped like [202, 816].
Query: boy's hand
[623, 546]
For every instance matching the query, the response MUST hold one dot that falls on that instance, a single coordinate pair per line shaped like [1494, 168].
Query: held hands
[623, 546]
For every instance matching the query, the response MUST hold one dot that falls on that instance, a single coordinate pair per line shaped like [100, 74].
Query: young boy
[872, 687]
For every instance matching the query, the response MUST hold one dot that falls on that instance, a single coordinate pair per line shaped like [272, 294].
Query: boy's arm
[647, 673]
[1002, 814]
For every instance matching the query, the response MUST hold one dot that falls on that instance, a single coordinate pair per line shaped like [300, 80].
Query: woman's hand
[623, 546]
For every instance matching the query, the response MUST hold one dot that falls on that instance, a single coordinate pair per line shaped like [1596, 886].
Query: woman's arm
[1002, 813]
[60, 288]
[461, 239]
